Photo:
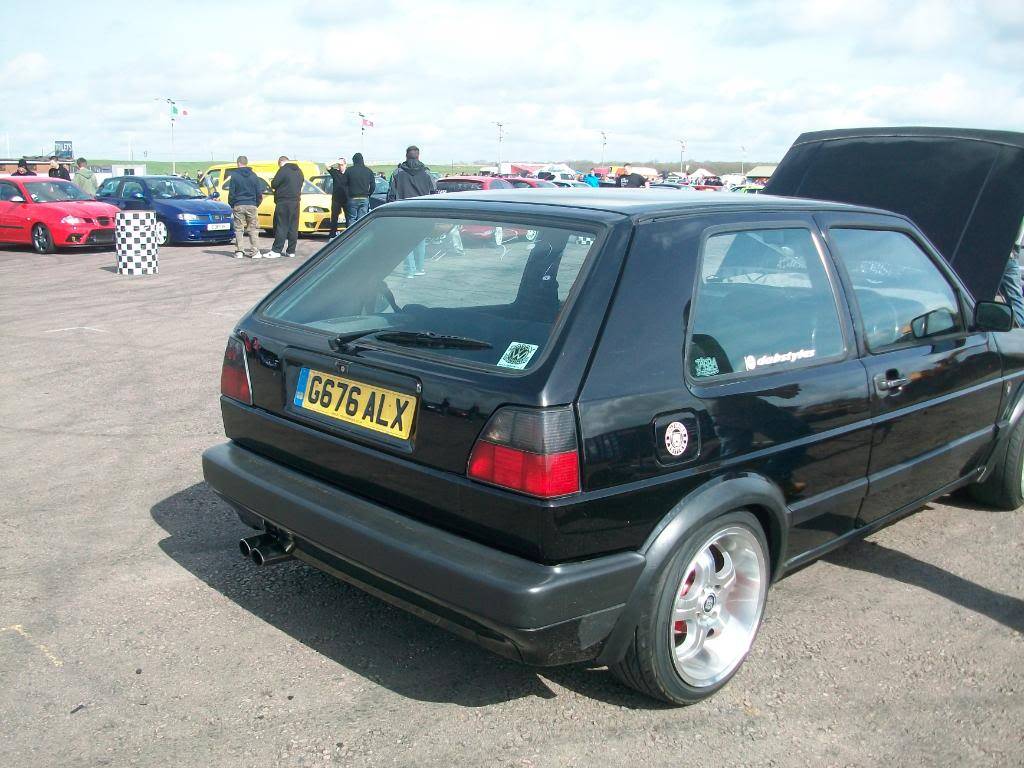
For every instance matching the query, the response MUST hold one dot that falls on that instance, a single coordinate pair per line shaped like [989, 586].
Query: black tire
[42, 240]
[1003, 487]
[647, 665]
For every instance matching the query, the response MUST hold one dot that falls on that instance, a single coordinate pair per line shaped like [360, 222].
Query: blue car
[183, 213]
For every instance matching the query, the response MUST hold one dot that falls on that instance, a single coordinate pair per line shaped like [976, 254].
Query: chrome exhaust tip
[248, 544]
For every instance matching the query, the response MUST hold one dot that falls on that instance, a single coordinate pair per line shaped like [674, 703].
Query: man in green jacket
[85, 179]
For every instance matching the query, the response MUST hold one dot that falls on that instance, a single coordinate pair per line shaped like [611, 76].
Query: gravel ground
[132, 633]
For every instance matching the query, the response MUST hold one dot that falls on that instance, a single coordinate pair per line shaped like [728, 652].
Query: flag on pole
[175, 112]
[367, 123]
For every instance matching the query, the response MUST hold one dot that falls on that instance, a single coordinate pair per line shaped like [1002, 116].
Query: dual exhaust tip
[266, 549]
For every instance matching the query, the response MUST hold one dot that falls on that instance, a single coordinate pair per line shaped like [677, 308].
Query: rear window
[502, 285]
[454, 185]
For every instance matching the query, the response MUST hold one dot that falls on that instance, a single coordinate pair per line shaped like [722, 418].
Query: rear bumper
[539, 614]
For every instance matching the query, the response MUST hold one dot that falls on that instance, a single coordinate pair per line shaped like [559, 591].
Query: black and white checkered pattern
[136, 243]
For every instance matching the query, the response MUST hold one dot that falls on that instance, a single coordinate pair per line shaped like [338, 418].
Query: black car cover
[963, 188]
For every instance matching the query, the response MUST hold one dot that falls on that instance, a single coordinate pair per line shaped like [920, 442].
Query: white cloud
[439, 74]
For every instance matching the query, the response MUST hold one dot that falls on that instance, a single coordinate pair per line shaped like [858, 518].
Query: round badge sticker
[676, 438]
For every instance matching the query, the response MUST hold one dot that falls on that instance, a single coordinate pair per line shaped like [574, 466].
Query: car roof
[38, 177]
[470, 178]
[638, 202]
[152, 177]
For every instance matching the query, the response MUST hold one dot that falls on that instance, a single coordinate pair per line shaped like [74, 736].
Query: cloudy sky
[266, 78]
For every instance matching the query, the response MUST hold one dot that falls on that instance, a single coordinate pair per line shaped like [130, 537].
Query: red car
[521, 182]
[471, 183]
[707, 184]
[479, 232]
[52, 213]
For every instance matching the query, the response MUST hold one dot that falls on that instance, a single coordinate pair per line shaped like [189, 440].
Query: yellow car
[314, 205]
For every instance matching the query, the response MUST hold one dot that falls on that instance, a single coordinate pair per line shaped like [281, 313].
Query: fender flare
[1014, 412]
[744, 490]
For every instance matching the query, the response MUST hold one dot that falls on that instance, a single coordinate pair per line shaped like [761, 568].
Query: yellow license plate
[354, 402]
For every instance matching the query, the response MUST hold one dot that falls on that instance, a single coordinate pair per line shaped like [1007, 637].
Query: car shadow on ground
[871, 557]
[363, 634]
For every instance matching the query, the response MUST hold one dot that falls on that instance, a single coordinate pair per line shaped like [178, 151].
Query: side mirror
[17, 199]
[992, 316]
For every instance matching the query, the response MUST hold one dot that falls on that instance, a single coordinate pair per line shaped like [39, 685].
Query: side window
[132, 189]
[108, 188]
[901, 294]
[212, 180]
[500, 184]
[7, 191]
[763, 302]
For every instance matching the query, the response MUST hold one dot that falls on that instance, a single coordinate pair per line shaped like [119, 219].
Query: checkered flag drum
[136, 242]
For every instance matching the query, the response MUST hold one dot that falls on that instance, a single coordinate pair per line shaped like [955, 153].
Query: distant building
[760, 174]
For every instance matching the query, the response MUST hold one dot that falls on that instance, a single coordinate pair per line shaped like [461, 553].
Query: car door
[935, 383]
[12, 205]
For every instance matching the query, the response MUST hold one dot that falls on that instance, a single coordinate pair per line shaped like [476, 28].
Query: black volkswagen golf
[605, 433]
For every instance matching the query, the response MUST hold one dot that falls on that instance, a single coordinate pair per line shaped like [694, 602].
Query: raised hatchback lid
[963, 187]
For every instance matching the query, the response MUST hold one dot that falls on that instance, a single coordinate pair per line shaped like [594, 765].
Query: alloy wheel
[161, 233]
[718, 606]
[41, 238]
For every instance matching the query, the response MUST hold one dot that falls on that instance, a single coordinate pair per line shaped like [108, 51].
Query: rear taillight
[531, 451]
[234, 375]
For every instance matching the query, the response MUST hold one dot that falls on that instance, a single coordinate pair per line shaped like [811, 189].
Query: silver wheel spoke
[687, 608]
[726, 576]
[696, 634]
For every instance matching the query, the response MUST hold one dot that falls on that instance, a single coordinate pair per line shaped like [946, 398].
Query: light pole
[682, 150]
[501, 136]
[743, 160]
[604, 141]
[174, 113]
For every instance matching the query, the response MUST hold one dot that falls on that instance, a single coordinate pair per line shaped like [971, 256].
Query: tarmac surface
[133, 634]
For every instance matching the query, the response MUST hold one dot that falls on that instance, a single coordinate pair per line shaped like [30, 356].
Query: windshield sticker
[779, 357]
[705, 366]
[517, 356]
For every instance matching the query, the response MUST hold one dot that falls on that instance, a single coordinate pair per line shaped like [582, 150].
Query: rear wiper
[431, 339]
[343, 341]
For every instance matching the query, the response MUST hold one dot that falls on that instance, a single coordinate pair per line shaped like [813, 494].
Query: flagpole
[173, 166]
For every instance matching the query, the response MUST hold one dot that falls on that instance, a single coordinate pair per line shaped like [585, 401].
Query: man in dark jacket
[360, 183]
[58, 171]
[287, 186]
[412, 179]
[339, 193]
[244, 196]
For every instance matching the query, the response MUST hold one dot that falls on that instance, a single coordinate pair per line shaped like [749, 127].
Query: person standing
[1010, 282]
[22, 169]
[58, 171]
[591, 180]
[630, 179]
[287, 185]
[84, 178]
[244, 197]
[360, 183]
[339, 193]
[412, 179]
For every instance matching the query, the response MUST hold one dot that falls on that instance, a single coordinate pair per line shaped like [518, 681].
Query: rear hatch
[378, 363]
[963, 188]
